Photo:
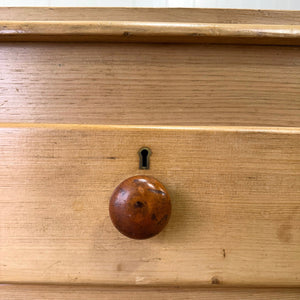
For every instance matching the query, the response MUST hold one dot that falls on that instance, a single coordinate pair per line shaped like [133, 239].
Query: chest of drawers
[215, 96]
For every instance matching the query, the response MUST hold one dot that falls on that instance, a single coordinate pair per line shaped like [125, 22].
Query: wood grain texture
[150, 84]
[154, 32]
[194, 15]
[37, 292]
[235, 205]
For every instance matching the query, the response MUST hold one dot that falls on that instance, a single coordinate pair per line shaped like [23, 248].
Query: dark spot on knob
[140, 207]
[138, 204]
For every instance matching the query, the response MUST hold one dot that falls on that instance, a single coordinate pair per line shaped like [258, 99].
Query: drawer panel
[150, 84]
[235, 195]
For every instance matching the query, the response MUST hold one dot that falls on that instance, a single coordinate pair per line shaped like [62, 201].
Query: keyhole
[144, 154]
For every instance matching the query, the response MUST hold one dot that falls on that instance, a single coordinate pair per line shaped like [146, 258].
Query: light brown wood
[159, 32]
[235, 190]
[235, 196]
[37, 292]
[150, 84]
[193, 15]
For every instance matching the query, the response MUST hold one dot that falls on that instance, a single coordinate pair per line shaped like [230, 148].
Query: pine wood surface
[193, 15]
[234, 191]
[38, 292]
[146, 84]
[154, 32]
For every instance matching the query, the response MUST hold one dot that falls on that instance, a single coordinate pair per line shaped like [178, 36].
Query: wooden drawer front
[235, 193]
[146, 84]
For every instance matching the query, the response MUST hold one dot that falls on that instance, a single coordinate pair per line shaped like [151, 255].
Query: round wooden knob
[140, 207]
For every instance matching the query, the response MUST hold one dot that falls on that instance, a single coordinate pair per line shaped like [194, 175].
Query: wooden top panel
[235, 194]
[192, 15]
